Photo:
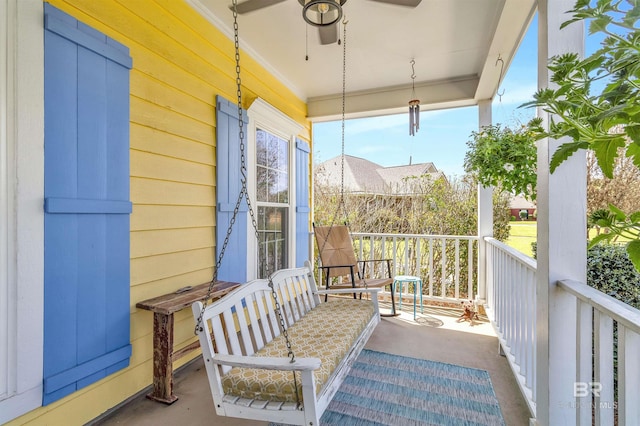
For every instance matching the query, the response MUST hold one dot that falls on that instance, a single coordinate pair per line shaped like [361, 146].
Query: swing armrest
[349, 290]
[269, 363]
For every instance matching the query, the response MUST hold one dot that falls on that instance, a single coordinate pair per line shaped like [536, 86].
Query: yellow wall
[180, 63]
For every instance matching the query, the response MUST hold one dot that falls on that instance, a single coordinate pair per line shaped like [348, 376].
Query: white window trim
[21, 198]
[264, 116]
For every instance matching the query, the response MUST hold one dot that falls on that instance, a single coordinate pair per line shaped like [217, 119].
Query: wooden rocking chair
[338, 259]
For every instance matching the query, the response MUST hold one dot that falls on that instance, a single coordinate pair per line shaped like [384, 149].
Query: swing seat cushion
[326, 332]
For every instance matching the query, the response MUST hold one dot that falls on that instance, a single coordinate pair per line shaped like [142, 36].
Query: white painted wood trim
[485, 211]
[7, 323]
[266, 117]
[22, 149]
[561, 252]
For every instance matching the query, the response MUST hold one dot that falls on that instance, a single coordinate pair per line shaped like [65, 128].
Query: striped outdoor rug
[385, 389]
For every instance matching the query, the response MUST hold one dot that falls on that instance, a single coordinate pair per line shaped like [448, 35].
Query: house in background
[522, 209]
[362, 176]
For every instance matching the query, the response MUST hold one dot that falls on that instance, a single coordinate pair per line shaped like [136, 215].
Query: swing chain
[245, 194]
[236, 209]
[344, 95]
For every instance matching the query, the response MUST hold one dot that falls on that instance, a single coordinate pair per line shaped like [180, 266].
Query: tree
[426, 206]
[624, 187]
[588, 116]
[505, 158]
[433, 207]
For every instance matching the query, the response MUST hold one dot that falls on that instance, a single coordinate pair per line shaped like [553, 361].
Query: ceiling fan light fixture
[322, 13]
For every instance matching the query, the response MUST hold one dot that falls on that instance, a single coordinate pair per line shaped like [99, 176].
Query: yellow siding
[180, 63]
[155, 141]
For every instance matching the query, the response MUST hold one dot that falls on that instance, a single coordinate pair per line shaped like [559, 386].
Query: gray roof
[365, 176]
[520, 202]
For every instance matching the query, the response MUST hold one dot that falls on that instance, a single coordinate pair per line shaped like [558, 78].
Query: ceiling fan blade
[329, 34]
[408, 3]
[251, 5]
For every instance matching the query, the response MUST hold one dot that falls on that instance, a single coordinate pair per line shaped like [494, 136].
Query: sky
[443, 134]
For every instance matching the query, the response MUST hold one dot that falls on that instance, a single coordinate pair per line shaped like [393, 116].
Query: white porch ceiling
[455, 44]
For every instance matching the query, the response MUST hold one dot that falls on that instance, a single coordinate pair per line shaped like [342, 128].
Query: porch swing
[249, 336]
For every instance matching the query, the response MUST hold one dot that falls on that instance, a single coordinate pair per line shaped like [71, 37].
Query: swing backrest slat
[293, 299]
[220, 339]
[253, 320]
[243, 326]
[264, 320]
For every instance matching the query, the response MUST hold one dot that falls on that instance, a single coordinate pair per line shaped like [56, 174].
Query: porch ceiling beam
[506, 40]
[391, 100]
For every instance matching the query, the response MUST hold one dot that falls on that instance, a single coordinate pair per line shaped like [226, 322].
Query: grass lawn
[522, 235]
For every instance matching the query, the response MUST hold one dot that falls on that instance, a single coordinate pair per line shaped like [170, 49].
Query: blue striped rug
[385, 389]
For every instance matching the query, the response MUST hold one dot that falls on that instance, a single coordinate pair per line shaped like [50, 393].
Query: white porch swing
[248, 338]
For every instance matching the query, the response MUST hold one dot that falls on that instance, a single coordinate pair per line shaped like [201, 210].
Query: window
[278, 169]
[271, 138]
[272, 194]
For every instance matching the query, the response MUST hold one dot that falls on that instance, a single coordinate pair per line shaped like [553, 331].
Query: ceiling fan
[324, 14]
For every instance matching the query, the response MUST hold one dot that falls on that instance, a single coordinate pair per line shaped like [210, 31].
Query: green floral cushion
[326, 332]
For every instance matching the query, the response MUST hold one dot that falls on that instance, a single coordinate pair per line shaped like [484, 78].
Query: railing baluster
[443, 272]
[407, 269]
[584, 342]
[603, 398]
[470, 290]
[383, 250]
[628, 375]
[419, 260]
[457, 270]
[395, 254]
[430, 267]
[518, 323]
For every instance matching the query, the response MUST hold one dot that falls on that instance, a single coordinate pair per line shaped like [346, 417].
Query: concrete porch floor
[435, 335]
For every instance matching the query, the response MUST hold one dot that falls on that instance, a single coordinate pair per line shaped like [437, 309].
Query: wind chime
[414, 104]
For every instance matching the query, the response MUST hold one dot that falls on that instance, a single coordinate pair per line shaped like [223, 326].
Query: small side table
[417, 284]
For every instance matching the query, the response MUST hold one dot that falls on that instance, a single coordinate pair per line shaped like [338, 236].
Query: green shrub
[513, 217]
[610, 271]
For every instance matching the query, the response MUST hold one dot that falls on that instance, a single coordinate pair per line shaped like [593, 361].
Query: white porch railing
[607, 358]
[511, 308]
[446, 263]
[607, 336]
[606, 332]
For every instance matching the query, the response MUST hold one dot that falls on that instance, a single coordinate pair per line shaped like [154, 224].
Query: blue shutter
[86, 300]
[302, 202]
[228, 184]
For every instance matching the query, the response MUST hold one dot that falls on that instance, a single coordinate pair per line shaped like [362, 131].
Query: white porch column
[485, 211]
[562, 238]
